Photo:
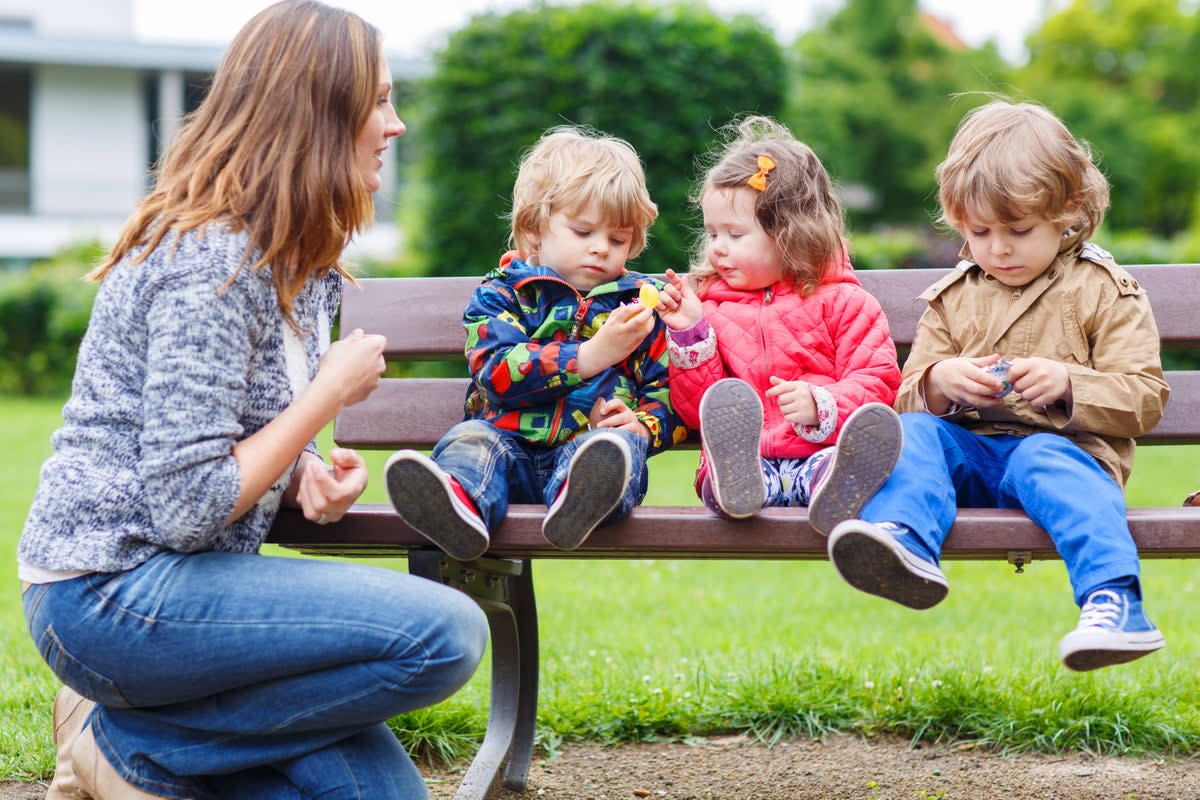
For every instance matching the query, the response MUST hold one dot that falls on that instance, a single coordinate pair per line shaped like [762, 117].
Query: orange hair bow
[759, 179]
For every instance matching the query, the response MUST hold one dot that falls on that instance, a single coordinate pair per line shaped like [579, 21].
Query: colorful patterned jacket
[524, 328]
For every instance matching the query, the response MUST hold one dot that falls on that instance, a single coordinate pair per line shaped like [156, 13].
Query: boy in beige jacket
[1034, 367]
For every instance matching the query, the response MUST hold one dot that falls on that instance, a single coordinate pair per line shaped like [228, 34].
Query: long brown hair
[271, 149]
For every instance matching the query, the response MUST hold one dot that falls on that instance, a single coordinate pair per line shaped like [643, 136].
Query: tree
[1119, 74]
[663, 78]
[873, 92]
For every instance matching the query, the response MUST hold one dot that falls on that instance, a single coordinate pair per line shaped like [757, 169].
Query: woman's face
[382, 124]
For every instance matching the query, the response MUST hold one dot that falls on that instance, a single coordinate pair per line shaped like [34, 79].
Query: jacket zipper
[577, 326]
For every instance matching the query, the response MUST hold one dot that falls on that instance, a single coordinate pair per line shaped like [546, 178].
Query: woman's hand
[325, 494]
[352, 366]
[678, 304]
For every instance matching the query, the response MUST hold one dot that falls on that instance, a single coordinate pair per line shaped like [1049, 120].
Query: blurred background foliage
[877, 88]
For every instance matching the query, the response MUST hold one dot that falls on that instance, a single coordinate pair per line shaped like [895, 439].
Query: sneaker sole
[596, 482]
[867, 450]
[1086, 650]
[731, 420]
[883, 567]
[422, 496]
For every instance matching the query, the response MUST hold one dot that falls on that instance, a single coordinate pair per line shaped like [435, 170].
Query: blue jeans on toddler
[497, 467]
[228, 675]
[944, 466]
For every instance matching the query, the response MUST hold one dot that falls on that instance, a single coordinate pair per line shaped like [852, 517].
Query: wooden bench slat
[423, 320]
[693, 532]
[412, 412]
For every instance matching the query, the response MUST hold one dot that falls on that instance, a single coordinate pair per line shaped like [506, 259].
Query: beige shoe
[81, 772]
[70, 711]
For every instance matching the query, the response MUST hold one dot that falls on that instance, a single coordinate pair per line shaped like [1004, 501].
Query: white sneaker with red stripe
[432, 503]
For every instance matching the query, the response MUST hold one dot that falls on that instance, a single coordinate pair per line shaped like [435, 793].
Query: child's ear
[527, 243]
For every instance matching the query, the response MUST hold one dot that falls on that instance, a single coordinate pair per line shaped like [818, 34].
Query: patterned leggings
[789, 480]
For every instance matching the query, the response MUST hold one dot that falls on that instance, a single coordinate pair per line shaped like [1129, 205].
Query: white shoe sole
[1085, 649]
[872, 561]
[867, 450]
[731, 421]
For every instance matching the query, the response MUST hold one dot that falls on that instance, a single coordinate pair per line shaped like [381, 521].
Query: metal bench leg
[524, 607]
[504, 590]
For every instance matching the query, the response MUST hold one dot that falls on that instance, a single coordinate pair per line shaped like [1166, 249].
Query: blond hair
[571, 168]
[1017, 160]
[271, 149]
[797, 208]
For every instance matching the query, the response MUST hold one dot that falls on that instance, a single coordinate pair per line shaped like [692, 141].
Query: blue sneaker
[881, 559]
[1112, 630]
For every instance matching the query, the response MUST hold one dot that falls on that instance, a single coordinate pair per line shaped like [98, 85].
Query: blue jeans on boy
[944, 466]
[228, 675]
[497, 467]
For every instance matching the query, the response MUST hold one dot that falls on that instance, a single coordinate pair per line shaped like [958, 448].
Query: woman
[209, 670]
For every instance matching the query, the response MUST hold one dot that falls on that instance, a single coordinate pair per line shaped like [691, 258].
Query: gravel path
[839, 768]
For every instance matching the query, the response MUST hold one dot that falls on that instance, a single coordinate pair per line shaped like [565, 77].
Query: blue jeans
[226, 675]
[497, 467]
[1062, 488]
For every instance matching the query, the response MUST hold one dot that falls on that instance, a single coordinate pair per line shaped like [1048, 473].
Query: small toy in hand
[999, 371]
[648, 295]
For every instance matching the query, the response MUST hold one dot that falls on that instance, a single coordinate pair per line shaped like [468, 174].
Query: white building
[85, 109]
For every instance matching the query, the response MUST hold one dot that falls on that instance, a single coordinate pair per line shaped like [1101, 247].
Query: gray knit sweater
[172, 372]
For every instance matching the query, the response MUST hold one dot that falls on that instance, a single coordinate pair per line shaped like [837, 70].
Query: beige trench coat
[1085, 312]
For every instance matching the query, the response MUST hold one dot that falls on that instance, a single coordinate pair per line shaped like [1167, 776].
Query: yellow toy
[648, 295]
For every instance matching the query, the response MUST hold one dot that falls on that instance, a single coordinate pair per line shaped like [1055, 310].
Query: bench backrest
[422, 320]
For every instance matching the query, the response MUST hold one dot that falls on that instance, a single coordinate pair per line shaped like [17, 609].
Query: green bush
[663, 78]
[899, 248]
[43, 315]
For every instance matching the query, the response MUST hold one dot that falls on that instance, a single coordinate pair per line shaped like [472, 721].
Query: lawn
[636, 650]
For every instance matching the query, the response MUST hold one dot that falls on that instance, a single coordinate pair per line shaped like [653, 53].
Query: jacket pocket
[1072, 345]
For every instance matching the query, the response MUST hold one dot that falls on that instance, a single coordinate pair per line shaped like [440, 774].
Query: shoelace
[1103, 614]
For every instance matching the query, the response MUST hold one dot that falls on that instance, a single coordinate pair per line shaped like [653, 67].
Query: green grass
[648, 650]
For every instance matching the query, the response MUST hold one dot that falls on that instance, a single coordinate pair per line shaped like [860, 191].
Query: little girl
[777, 352]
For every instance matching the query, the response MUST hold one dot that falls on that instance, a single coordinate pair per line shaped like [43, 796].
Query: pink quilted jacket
[836, 338]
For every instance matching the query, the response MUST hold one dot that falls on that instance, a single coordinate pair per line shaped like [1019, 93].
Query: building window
[15, 87]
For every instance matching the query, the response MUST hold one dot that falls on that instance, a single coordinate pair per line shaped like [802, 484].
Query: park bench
[422, 320]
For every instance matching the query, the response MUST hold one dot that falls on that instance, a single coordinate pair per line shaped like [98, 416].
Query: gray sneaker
[867, 449]
[874, 559]
[597, 479]
[731, 421]
[429, 503]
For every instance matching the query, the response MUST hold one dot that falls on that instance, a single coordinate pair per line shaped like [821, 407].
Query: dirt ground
[839, 768]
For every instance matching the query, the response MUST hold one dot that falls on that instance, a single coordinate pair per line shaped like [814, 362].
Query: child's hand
[325, 494]
[795, 401]
[612, 413]
[1041, 381]
[963, 381]
[678, 304]
[619, 336]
